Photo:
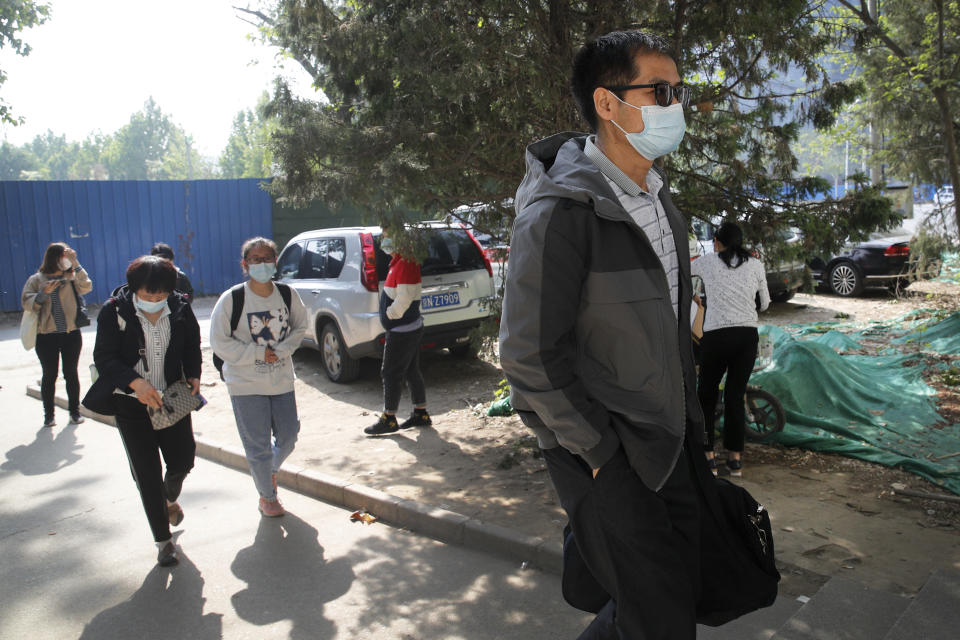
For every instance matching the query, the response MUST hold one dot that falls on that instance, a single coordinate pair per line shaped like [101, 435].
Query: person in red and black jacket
[400, 317]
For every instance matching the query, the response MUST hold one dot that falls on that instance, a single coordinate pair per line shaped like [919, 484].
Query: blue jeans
[268, 427]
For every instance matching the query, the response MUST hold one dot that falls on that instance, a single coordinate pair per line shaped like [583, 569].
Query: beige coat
[34, 286]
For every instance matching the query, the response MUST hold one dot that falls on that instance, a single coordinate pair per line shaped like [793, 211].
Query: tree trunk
[950, 139]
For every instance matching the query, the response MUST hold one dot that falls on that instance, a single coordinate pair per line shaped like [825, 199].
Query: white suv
[339, 274]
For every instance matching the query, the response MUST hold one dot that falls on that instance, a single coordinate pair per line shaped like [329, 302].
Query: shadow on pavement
[168, 605]
[427, 590]
[52, 449]
[288, 579]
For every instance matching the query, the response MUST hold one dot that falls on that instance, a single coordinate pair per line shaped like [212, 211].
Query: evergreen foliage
[428, 105]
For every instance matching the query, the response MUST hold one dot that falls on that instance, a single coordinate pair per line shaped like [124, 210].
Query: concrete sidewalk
[79, 560]
[435, 522]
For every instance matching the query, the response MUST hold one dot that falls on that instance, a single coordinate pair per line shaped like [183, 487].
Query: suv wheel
[337, 363]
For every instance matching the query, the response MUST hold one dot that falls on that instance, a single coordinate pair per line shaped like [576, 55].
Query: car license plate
[440, 300]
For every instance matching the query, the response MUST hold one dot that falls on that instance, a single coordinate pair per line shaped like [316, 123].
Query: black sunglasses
[664, 92]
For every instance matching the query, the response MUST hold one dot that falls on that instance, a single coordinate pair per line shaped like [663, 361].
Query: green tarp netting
[871, 407]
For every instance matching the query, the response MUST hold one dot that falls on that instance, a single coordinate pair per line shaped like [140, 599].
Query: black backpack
[238, 296]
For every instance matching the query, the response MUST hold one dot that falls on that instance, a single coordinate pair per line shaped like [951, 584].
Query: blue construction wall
[109, 223]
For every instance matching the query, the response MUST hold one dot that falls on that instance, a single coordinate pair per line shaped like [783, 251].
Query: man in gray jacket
[595, 341]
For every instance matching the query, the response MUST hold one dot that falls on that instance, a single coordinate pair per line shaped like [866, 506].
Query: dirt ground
[831, 515]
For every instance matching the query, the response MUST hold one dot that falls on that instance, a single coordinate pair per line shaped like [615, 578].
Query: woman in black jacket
[148, 338]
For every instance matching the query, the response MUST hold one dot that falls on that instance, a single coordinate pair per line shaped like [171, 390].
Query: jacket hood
[558, 168]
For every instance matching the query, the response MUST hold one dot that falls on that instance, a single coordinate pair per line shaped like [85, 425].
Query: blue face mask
[262, 272]
[151, 307]
[663, 129]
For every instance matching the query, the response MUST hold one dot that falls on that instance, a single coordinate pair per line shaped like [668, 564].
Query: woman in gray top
[53, 293]
[733, 282]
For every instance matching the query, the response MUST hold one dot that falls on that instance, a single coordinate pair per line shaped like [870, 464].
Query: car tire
[845, 280]
[337, 363]
[783, 296]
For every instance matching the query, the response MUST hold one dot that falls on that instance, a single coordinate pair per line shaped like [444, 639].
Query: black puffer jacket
[117, 349]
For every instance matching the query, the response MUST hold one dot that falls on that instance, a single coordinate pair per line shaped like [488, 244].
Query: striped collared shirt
[156, 339]
[646, 210]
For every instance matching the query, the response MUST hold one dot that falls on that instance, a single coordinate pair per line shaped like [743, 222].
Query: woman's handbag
[177, 402]
[28, 329]
[696, 328]
[81, 320]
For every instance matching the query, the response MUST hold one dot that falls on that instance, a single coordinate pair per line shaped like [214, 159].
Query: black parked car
[878, 262]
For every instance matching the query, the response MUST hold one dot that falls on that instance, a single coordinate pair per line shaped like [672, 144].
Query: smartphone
[203, 402]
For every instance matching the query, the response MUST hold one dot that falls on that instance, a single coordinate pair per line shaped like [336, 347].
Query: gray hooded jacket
[589, 341]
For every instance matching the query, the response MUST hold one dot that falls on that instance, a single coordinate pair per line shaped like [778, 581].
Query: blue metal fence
[109, 223]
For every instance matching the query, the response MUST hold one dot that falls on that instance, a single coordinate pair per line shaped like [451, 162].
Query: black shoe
[49, 421]
[76, 418]
[386, 424]
[168, 555]
[735, 467]
[419, 418]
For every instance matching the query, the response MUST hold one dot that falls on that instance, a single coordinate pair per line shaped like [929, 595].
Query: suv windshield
[448, 251]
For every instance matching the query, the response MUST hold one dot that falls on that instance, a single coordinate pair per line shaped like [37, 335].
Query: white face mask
[663, 129]
[65, 264]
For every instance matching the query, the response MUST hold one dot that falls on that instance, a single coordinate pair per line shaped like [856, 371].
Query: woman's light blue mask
[663, 129]
[262, 272]
[151, 307]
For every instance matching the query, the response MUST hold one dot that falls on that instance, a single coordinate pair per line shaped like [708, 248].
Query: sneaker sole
[271, 515]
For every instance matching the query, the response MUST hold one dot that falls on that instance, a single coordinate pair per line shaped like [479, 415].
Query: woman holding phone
[53, 293]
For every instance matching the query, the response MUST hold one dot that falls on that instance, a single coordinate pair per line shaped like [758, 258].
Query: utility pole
[846, 167]
[875, 176]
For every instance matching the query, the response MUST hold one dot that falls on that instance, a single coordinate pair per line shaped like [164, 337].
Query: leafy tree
[909, 57]
[56, 154]
[181, 161]
[247, 154]
[15, 16]
[14, 161]
[151, 146]
[89, 160]
[430, 104]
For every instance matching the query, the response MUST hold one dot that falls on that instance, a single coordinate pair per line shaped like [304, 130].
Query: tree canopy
[151, 146]
[908, 57]
[429, 105]
[247, 154]
[15, 16]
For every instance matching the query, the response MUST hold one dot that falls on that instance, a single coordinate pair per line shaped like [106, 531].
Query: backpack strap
[122, 325]
[238, 297]
[284, 293]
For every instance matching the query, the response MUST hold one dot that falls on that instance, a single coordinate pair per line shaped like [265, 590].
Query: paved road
[78, 560]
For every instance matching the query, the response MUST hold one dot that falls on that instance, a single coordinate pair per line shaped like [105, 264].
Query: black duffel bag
[737, 569]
